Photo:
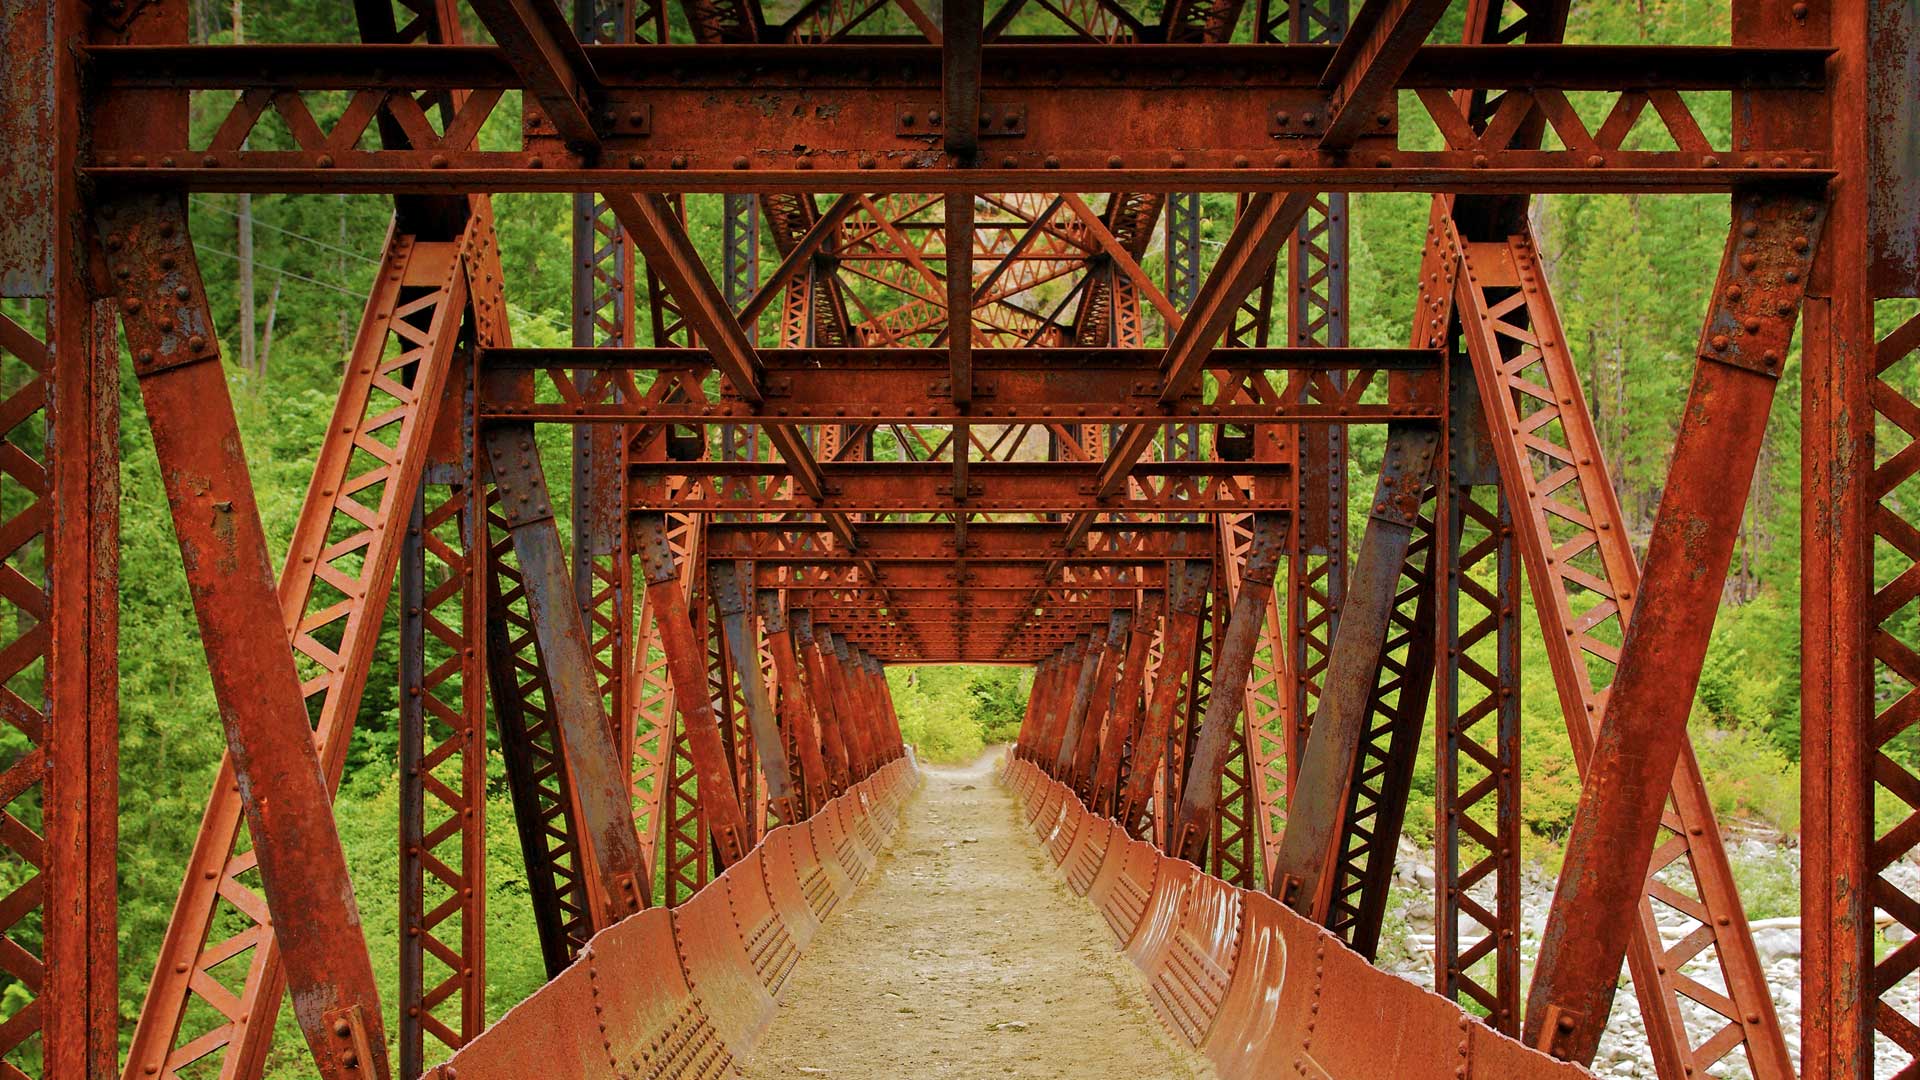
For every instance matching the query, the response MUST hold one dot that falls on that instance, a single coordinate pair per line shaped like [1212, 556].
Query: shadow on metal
[1259, 990]
[682, 993]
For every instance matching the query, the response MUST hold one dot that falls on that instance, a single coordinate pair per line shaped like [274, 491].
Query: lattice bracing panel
[443, 769]
[25, 368]
[218, 984]
[1895, 637]
[1477, 839]
[1585, 577]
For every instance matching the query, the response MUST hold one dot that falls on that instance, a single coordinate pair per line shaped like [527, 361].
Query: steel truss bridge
[793, 468]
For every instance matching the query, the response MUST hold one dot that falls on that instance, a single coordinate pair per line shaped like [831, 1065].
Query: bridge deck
[964, 954]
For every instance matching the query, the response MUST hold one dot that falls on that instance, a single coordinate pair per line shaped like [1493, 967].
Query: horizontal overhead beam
[809, 386]
[1199, 487]
[828, 118]
[903, 576]
[889, 542]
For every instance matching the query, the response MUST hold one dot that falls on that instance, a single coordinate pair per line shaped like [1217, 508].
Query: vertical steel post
[1130, 688]
[1303, 873]
[687, 655]
[288, 807]
[1200, 795]
[796, 710]
[1477, 724]
[1857, 678]
[1186, 597]
[443, 747]
[731, 583]
[62, 393]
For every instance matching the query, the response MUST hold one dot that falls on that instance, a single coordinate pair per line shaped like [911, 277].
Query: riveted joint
[1763, 280]
[1405, 474]
[156, 281]
[656, 557]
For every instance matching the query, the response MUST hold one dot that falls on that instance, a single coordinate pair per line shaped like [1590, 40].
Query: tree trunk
[266, 336]
[243, 214]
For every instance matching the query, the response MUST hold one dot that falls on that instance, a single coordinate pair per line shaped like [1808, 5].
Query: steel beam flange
[1763, 278]
[656, 558]
[523, 487]
[1404, 475]
[162, 301]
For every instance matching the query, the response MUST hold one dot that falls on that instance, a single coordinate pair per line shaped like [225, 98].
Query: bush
[952, 712]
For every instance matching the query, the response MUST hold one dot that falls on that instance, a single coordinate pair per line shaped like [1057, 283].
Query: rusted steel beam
[731, 584]
[62, 559]
[960, 48]
[1247, 257]
[799, 363]
[686, 656]
[551, 64]
[856, 717]
[1371, 57]
[1857, 678]
[1086, 748]
[1081, 703]
[802, 254]
[1123, 735]
[914, 386]
[1200, 795]
[670, 254]
[983, 575]
[1066, 676]
[1186, 597]
[853, 668]
[873, 487]
[885, 741]
[1123, 259]
[1389, 746]
[810, 542]
[1742, 351]
[1035, 694]
[896, 746]
[545, 813]
[795, 704]
[686, 107]
[1529, 385]
[594, 770]
[1303, 869]
[289, 810]
[826, 702]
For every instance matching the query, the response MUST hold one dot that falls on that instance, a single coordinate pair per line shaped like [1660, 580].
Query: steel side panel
[1263, 1016]
[1172, 880]
[1089, 853]
[1370, 1023]
[715, 956]
[791, 869]
[542, 1036]
[647, 1015]
[1060, 839]
[1191, 973]
[1124, 887]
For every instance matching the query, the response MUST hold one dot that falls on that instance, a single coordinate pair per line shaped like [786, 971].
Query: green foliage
[949, 713]
[1629, 274]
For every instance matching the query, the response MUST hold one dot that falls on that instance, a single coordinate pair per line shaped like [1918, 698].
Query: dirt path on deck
[965, 955]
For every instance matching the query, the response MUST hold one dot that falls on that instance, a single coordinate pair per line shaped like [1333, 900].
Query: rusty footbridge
[959, 383]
